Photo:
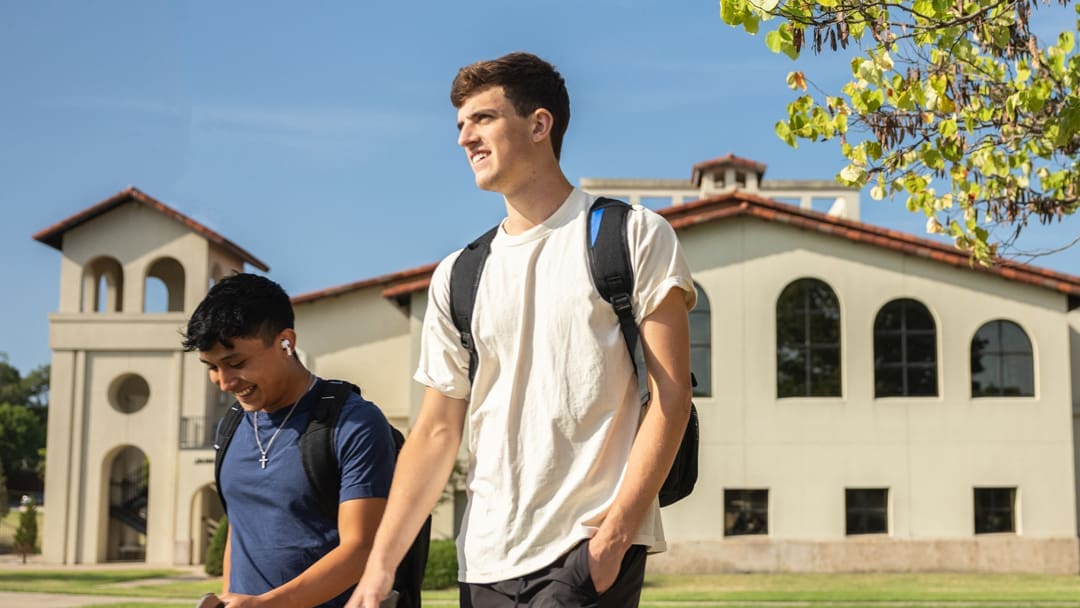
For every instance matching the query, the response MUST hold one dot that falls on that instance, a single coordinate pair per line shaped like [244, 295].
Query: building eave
[53, 236]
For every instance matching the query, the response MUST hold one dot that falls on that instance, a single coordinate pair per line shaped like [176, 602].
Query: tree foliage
[21, 437]
[23, 407]
[31, 391]
[957, 93]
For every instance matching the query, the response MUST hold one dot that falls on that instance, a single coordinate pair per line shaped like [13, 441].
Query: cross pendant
[263, 460]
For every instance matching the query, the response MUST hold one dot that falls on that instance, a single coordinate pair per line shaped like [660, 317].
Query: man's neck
[537, 201]
[299, 382]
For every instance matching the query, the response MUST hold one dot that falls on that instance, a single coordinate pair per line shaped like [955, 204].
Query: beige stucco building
[868, 400]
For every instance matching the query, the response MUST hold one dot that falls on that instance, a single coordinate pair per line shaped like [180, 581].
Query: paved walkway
[11, 599]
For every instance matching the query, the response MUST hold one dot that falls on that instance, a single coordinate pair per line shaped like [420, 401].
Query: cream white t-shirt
[554, 408]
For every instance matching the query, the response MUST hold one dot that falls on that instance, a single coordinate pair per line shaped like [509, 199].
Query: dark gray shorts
[564, 583]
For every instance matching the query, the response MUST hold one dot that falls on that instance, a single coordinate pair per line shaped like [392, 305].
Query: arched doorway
[128, 474]
[206, 514]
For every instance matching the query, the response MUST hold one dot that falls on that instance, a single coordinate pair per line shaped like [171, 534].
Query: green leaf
[852, 175]
[947, 127]
[774, 41]
[1066, 41]
[783, 131]
[932, 158]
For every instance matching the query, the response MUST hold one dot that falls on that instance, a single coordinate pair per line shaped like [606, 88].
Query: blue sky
[308, 132]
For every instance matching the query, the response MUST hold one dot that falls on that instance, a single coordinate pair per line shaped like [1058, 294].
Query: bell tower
[130, 456]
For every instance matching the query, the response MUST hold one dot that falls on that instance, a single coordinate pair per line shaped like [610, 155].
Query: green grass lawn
[825, 588]
[729, 590]
[102, 582]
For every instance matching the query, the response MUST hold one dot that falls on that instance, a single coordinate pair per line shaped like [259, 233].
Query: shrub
[442, 566]
[26, 534]
[215, 553]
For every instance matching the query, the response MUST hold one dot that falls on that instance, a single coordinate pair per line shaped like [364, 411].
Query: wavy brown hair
[529, 83]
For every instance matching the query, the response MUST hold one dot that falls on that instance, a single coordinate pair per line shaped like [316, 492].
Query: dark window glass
[867, 510]
[807, 340]
[1001, 361]
[701, 344]
[746, 512]
[995, 510]
[905, 350]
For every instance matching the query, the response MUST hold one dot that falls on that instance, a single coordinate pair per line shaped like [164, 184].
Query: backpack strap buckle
[622, 304]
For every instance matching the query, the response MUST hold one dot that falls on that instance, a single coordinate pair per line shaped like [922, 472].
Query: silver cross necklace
[263, 458]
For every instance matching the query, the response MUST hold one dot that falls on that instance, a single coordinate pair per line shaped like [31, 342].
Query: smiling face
[500, 144]
[255, 372]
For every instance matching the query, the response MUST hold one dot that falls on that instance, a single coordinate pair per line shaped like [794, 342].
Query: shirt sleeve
[444, 362]
[658, 261]
[366, 451]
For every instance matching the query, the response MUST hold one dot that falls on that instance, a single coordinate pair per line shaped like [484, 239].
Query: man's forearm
[665, 340]
[651, 457]
[423, 469]
[322, 581]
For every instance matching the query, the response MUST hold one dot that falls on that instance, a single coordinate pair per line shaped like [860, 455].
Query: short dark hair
[239, 306]
[529, 83]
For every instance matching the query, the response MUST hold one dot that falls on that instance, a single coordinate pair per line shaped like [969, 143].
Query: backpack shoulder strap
[613, 276]
[464, 281]
[317, 444]
[225, 431]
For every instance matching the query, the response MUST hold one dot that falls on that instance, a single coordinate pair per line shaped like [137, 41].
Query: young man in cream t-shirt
[564, 468]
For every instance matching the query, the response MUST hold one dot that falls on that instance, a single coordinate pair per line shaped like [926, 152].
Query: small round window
[129, 393]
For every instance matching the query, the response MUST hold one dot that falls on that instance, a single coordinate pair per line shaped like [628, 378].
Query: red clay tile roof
[394, 284]
[737, 203]
[53, 235]
[742, 204]
[728, 159]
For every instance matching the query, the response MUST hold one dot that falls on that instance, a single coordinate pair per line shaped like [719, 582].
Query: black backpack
[321, 467]
[613, 277]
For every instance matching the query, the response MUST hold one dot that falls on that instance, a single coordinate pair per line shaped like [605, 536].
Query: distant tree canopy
[31, 391]
[945, 92]
[23, 413]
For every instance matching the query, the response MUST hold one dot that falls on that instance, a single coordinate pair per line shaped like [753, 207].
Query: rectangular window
[746, 512]
[867, 510]
[995, 510]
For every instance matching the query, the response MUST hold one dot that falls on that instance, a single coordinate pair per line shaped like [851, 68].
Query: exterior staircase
[134, 495]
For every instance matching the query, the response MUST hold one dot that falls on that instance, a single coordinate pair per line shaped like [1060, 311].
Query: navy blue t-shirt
[277, 527]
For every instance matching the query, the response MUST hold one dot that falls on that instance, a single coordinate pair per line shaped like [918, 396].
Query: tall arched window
[701, 344]
[103, 286]
[164, 287]
[905, 350]
[807, 340]
[1001, 361]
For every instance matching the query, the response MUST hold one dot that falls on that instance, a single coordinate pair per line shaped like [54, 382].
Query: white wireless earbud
[285, 344]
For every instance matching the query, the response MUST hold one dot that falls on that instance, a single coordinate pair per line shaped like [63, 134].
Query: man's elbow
[357, 551]
[675, 404]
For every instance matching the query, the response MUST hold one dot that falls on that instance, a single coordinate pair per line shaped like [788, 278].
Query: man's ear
[542, 123]
[286, 340]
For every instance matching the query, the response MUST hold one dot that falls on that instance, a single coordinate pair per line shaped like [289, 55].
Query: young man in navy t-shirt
[282, 550]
